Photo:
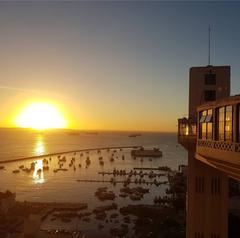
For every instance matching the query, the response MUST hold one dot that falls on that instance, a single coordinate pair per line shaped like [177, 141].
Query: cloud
[16, 89]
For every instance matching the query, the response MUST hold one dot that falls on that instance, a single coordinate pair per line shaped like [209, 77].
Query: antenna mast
[209, 45]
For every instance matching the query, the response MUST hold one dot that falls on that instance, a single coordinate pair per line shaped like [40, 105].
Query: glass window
[228, 124]
[193, 129]
[182, 129]
[203, 117]
[204, 131]
[208, 118]
[205, 125]
[221, 115]
[225, 123]
[209, 131]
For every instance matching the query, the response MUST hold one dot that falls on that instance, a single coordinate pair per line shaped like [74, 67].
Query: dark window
[210, 79]
[210, 95]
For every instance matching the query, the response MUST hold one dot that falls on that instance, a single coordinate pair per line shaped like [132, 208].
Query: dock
[129, 173]
[156, 153]
[68, 152]
[163, 168]
[121, 181]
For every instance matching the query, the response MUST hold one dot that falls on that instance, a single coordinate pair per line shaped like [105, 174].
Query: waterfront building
[211, 134]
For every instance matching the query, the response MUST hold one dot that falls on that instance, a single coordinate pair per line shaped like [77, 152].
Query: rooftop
[220, 102]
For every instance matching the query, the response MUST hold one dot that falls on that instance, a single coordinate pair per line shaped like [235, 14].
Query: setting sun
[40, 116]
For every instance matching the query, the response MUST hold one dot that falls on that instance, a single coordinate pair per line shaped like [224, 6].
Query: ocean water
[17, 143]
[63, 186]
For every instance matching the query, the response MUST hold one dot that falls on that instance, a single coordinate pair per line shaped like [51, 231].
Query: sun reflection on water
[38, 175]
[39, 148]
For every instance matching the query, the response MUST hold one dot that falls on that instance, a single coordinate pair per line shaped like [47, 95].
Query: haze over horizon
[111, 65]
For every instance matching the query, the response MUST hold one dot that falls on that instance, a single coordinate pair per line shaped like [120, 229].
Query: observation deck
[218, 137]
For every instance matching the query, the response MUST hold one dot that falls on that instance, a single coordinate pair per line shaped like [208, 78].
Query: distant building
[7, 201]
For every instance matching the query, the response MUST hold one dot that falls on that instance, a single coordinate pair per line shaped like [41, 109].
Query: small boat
[27, 170]
[112, 159]
[45, 168]
[16, 171]
[134, 135]
[88, 161]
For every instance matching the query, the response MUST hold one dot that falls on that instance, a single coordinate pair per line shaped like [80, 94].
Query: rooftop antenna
[209, 45]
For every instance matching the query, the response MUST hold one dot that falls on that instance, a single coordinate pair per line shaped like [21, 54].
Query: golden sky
[109, 66]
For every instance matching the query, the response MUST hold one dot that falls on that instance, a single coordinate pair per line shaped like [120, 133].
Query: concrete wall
[207, 207]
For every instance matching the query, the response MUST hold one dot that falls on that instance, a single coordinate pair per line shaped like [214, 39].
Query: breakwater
[68, 152]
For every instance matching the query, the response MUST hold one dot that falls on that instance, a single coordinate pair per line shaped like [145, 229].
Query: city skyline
[111, 65]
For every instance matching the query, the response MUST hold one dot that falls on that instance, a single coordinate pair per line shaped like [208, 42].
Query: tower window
[210, 95]
[210, 79]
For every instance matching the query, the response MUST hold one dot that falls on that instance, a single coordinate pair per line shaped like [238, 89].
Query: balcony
[187, 133]
[220, 154]
[218, 142]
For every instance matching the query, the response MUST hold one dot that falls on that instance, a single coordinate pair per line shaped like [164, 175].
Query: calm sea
[17, 143]
[63, 186]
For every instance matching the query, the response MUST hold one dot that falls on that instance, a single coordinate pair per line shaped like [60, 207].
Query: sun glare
[41, 116]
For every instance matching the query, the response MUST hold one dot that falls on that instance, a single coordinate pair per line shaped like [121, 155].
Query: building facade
[211, 136]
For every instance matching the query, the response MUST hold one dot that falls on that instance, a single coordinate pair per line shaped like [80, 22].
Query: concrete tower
[207, 190]
[206, 84]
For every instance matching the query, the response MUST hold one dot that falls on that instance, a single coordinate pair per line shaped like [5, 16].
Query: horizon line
[88, 130]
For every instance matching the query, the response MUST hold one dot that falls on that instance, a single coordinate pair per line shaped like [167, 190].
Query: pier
[68, 152]
[129, 173]
[163, 168]
[156, 153]
[122, 181]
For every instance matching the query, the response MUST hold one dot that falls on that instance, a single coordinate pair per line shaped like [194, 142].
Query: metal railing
[220, 145]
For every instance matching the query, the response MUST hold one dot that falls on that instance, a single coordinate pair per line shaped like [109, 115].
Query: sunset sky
[111, 65]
